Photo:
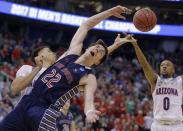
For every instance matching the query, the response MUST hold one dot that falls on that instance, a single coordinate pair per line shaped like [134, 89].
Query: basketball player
[167, 93]
[59, 83]
[65, 120]
[25, 76]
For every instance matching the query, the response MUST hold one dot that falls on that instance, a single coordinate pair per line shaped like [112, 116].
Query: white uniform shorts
[157, 126]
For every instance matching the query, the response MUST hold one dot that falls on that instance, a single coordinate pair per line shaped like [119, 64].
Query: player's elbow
[91, 82]
[14, 88]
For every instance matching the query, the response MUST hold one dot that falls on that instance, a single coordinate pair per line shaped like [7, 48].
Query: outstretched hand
[118, 10]
[132, 40]
[128, 38]
[92, 116]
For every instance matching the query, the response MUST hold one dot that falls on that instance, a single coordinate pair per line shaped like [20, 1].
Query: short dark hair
[169, 59]
[102, 43]
[36, 52]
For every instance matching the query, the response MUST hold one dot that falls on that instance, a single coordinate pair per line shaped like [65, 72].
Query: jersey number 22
[51, 78]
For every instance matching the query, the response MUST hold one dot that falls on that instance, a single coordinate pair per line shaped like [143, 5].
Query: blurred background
[123, 94]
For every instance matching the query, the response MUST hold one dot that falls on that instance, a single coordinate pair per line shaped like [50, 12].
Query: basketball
[144, 19]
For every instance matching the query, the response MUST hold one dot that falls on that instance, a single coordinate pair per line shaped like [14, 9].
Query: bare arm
[22, 82]
[90, 84]
[77, 41]
[148, 71]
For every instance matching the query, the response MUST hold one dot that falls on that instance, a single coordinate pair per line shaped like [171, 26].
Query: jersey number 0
[166, 103]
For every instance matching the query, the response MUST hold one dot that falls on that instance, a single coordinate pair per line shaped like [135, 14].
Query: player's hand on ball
[38, 61]
[92, 116]
[118, 10]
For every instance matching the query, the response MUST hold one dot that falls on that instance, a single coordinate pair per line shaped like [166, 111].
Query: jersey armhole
[158, 78]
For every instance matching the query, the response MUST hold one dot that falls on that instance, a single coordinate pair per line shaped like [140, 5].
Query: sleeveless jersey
[167, 99]
[58, 80]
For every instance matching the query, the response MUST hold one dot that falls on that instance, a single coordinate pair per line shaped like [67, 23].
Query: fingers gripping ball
[144, 19]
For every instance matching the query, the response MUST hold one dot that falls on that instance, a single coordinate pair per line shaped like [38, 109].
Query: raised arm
[77, 41]
[148, 71]
[118, 42]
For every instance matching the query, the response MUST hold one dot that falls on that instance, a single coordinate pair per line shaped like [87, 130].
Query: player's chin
[165, 75]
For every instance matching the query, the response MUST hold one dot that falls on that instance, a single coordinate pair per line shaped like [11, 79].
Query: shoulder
[68, 57]
[88, 78]
[25, 69]
[158, 77]
[179, 77]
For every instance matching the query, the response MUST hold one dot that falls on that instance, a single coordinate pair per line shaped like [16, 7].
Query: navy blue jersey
[64, 122]
[58, 79]
[35, 110]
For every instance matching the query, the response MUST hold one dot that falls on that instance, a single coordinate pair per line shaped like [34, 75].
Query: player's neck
[85, 62]
[166, 76]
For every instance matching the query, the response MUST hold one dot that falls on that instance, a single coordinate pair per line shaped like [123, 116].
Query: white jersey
[23, 71]
[167, 99]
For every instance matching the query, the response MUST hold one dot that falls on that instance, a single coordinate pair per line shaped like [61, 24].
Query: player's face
[167, 68]
[67, 105]
[48, 55]
[96, 53]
